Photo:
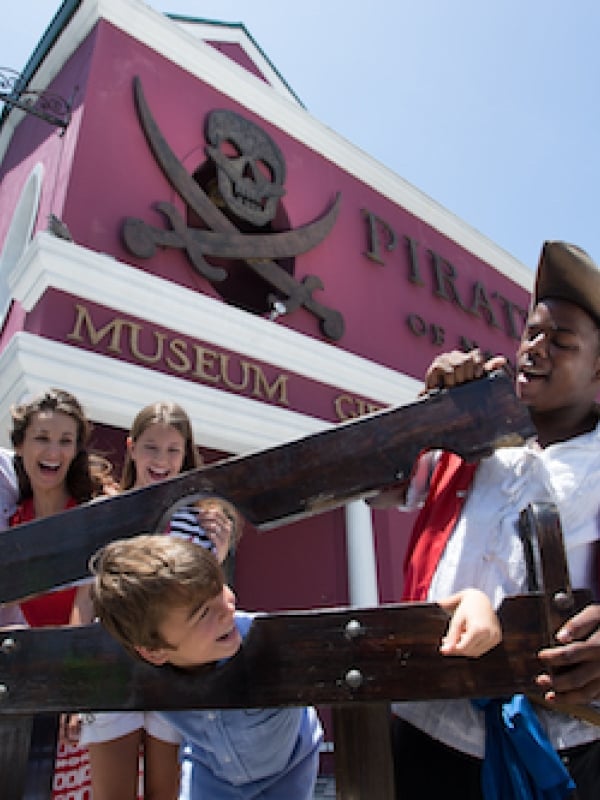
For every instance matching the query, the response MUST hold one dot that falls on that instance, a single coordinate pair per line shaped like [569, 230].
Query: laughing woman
[50, 437]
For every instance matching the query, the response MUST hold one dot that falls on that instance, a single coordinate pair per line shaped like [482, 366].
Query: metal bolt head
[563, 601]
[8, 644]
[353, 629]
[354, 678]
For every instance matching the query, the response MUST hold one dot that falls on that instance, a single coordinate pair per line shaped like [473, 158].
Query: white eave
[113, 391]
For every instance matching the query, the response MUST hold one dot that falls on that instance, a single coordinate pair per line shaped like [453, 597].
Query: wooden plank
[295, 480]
[541, 532]
[42, 757]
[363, 754]
[331, 656]
[15, 735]
[315, 657]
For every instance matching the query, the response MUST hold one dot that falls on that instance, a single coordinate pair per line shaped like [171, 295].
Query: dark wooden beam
[343, 656]
[15, 737]
[294, 480]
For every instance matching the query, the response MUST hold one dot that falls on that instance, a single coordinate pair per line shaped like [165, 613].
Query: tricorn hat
[566, 272]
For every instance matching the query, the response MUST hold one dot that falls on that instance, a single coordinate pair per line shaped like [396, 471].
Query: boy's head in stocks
[164, 599]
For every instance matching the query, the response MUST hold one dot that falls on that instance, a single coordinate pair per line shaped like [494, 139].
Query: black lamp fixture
[52, 108]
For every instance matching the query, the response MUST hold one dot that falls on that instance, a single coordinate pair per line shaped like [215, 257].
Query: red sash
[448, 490]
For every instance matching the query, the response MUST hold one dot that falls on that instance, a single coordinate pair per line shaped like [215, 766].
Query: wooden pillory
[353, 659]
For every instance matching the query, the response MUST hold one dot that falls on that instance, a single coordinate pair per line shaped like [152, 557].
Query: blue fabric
[520, 763]
[242, 754]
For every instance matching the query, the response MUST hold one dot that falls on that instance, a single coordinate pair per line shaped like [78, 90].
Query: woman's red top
[52, 608]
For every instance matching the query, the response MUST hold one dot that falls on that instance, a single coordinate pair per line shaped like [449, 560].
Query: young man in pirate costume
[466, 535]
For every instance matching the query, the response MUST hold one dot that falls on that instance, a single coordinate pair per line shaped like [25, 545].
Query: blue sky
[490, 108]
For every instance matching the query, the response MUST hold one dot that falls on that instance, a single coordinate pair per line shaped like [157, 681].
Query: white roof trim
[52, 262]
[235, 34]
[112, 392]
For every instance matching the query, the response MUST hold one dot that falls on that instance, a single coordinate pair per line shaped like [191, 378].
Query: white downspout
[362, 567]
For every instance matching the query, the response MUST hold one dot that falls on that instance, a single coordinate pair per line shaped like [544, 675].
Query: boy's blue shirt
[246, 753]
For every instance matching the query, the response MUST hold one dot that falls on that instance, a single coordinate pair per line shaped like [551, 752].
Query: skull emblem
[250, 166]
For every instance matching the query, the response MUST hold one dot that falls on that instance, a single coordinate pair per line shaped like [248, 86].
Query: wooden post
[42, 757]
[363, 753]
[27, 756]
[15, 736]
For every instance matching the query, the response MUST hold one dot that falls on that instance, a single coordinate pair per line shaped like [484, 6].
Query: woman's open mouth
[48, 466]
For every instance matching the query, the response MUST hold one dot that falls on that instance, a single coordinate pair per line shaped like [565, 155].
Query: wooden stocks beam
[274, 486]
[316, 657]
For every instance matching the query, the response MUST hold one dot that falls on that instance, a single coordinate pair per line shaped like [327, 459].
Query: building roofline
[69, 8]
[240, 27]
[147, 26]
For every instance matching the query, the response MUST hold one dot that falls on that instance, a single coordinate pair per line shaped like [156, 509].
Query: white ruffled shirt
[485, 552]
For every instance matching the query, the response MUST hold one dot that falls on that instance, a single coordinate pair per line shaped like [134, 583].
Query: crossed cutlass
[223, 239]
